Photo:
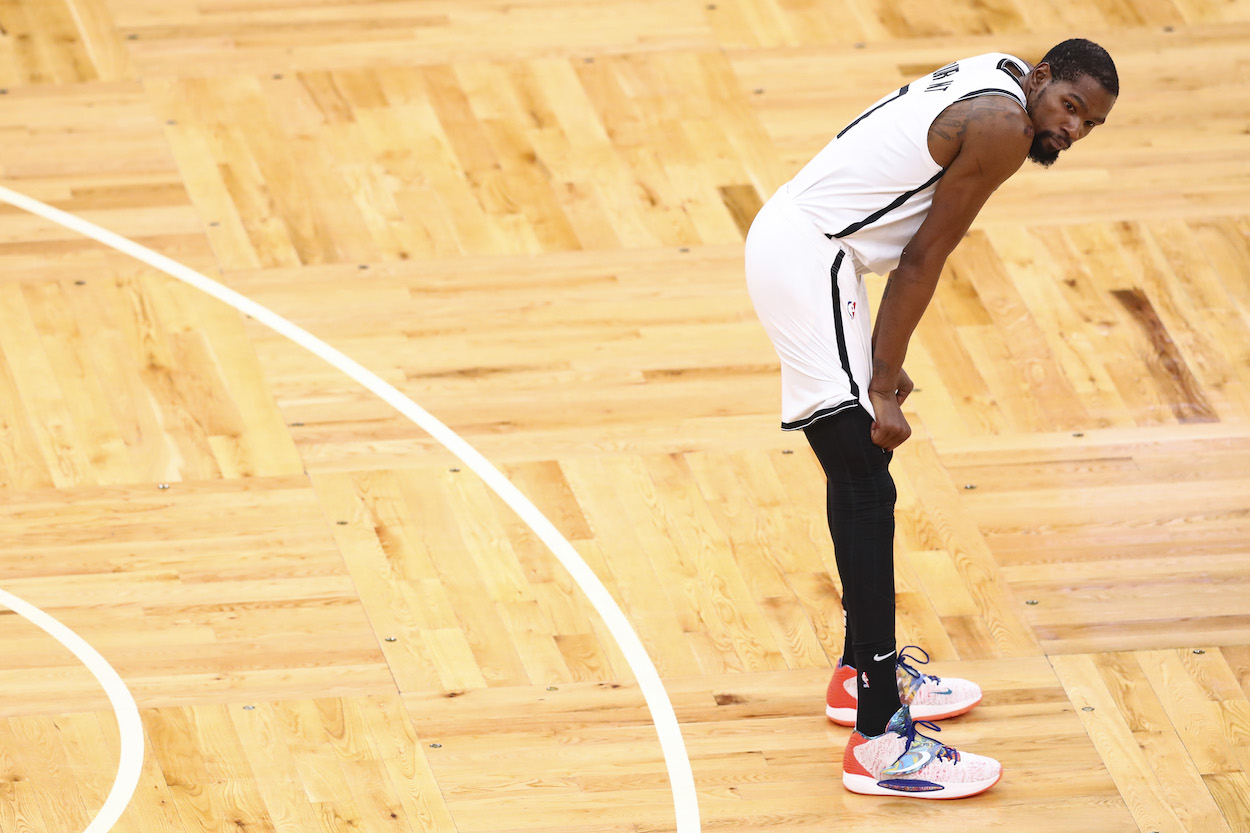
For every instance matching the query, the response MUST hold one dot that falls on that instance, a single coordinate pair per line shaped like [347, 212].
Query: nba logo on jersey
[850, 308]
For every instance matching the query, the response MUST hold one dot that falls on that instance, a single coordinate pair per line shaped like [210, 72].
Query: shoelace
[918, 677]
[943, 750]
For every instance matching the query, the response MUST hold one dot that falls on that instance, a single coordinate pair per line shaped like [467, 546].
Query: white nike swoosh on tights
[876, 658]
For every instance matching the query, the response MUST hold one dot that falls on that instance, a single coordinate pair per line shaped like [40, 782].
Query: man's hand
[890, 429]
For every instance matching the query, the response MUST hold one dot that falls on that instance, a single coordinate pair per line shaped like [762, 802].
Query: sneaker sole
[846, 716]
[864, 785]
[842, 717]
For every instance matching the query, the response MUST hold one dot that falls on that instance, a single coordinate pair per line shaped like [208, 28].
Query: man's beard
[1038, 152]
[1041, 154]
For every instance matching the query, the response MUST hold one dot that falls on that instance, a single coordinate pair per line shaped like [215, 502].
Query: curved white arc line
[681, 778]
[129, 726]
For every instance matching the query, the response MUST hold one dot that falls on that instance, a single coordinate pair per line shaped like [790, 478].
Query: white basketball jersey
[872, 186]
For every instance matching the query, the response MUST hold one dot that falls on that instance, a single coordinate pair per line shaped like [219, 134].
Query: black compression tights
[861, 497]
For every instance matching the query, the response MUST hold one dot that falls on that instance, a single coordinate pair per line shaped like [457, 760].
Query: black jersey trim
[877, 215]
[901, 92]
[991, 91]
[821, 414]
[843, 356]
[1006, 62]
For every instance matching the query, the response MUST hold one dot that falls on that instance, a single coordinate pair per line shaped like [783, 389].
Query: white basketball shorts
[814, 308]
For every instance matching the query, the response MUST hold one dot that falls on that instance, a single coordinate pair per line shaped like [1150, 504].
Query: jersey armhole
[1014, 69]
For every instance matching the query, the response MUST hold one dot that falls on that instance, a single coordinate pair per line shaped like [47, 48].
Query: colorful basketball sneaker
[929, 697]
[904, 763]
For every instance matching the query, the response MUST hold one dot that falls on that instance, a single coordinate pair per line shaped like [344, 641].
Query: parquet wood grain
[529, 218]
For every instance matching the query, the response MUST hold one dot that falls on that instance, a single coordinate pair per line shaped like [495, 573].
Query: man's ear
[1039, 77]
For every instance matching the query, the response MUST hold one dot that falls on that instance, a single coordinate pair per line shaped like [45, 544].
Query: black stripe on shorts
[843, 356]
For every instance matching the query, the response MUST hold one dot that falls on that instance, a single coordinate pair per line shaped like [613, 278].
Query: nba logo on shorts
[850, 308]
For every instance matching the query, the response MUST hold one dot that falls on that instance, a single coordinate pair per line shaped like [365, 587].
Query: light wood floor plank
[529, 218]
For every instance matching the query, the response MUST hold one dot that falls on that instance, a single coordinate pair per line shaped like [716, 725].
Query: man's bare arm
[993, 135]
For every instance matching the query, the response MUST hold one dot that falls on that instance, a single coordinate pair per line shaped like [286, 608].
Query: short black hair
[1076, 57]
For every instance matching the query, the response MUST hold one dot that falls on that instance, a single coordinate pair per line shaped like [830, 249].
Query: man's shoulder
[999, 135]
[985, 116]
[996, 118]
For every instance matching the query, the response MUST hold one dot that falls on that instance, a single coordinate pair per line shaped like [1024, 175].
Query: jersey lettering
[943, 78]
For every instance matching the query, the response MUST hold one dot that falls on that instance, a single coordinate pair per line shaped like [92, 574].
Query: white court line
[129, 726]
[681, 779]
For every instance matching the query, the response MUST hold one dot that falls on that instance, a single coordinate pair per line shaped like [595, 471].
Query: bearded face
[1063, 112]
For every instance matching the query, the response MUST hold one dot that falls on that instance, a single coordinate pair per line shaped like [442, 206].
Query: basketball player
[893, 194]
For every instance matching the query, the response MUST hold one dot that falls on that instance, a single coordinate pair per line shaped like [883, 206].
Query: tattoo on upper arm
[952, 123]
[949, 126]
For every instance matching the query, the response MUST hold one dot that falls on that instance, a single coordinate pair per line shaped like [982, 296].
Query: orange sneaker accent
[840, 705]
[851, 764]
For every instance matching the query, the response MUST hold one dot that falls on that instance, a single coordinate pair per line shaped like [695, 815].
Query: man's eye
[1068, 104]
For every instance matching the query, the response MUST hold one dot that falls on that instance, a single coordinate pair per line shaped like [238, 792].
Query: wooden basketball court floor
[528, 216]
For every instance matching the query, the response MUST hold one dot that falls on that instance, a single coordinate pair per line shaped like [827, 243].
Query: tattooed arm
[980, 143]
